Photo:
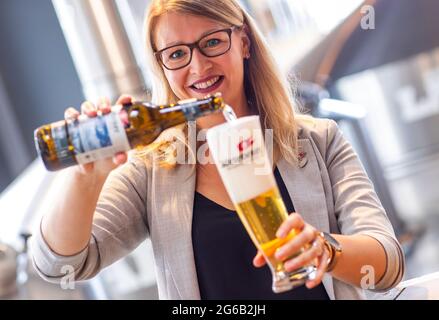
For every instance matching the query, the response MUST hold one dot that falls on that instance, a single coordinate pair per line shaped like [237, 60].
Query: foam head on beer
[239, 152]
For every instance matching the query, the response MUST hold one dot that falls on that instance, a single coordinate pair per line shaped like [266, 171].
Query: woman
[197, 47]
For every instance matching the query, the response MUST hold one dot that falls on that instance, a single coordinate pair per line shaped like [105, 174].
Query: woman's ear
[246, 43]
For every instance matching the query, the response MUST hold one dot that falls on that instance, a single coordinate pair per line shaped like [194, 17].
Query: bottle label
[98, 138]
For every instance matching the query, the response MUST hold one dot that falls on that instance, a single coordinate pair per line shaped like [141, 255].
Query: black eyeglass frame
[196, 44]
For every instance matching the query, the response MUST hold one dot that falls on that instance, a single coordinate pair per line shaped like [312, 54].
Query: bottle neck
[189, 110]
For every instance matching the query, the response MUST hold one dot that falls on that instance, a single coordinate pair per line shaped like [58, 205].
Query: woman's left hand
[315, 251]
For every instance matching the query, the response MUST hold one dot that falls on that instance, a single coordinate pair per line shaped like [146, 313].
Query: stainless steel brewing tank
[402, 102]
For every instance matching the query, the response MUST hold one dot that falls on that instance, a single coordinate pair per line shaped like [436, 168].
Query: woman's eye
[177, 54]
[212, 42]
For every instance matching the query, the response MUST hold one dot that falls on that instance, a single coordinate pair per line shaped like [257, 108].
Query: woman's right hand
[104, 166]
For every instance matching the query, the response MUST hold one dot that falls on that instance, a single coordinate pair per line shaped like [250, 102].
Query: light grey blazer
[329, 188]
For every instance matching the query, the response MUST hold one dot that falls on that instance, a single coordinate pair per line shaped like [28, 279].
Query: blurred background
[373, 66]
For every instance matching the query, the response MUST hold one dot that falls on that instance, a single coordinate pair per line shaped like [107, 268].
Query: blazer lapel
[304, 184]
[173, 204]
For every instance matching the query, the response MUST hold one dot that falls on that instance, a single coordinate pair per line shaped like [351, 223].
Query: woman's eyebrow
[174, 43]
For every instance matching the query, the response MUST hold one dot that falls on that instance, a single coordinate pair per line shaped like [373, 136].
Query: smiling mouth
[208, 86]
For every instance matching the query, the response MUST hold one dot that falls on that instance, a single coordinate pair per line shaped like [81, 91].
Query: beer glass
[239, 152]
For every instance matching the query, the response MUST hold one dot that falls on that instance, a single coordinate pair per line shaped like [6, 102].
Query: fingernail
[70, 116]
[279, 254]
[281, 233]
[103, 102]
[88, 107]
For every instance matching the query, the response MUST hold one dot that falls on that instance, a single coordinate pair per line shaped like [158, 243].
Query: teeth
[207, 84]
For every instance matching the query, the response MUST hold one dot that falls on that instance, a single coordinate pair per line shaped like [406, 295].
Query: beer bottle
[70, 142]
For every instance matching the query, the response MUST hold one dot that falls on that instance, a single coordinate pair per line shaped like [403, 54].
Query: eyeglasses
[211, 45]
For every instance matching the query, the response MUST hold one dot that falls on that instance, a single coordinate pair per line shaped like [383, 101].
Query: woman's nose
[200, 63]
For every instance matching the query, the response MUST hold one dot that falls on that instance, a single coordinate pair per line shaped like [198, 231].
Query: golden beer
[262, 217]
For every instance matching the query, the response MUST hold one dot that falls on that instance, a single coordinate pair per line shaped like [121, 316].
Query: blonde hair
[265, 87]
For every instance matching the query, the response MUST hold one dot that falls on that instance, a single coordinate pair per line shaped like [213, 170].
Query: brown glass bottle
[66, 143]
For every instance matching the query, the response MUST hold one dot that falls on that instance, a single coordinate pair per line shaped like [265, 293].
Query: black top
[224, 253]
